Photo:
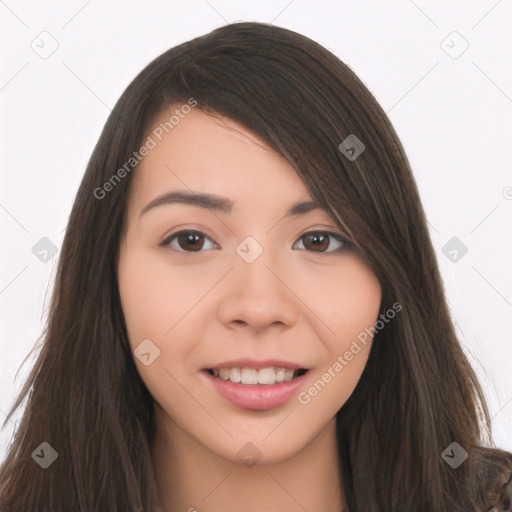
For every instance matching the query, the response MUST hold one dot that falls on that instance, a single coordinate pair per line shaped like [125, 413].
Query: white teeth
[266, 376]
[249, 376]
[252, 376]
[280, 374]
[234, 375]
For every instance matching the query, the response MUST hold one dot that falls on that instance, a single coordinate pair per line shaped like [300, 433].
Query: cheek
[154, 310]
[144, 299]
[154, 295]
[346, 299]
[350, 306]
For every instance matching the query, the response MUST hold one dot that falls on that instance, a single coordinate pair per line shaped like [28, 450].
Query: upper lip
[258, 364]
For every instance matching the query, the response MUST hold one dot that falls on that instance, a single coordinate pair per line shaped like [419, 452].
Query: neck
[191, 478]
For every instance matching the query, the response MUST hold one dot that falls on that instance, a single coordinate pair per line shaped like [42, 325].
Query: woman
[248, 312]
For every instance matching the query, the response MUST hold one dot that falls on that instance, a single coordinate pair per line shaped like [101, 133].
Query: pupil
[190, 238]
[315, 241]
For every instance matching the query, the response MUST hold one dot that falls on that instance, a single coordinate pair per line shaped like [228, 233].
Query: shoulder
[503, 500]
[499, 473]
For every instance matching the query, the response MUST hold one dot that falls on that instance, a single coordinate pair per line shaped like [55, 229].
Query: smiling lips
[267, 376]
[252, 372]
[256, 385]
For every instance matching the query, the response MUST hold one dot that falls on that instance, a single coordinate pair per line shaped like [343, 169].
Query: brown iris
[190, 241]
[316, 240]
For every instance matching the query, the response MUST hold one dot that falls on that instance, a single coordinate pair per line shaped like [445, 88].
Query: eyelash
[345, 244]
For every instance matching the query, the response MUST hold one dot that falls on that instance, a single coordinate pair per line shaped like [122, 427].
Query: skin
[203, 308]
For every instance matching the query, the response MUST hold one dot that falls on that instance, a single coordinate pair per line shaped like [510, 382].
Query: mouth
[256, 389]
[257, 377]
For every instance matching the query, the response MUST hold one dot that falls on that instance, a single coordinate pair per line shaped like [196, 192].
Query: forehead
[210, 153]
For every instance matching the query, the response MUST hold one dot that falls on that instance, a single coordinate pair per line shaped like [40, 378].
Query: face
[247, 289]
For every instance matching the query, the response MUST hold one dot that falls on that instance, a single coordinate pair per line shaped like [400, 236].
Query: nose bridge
[258, 278]
[257, 294]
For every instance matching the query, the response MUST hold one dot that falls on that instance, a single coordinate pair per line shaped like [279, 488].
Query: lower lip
[259, 397]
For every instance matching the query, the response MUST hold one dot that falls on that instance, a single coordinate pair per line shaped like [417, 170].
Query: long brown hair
[418, 392]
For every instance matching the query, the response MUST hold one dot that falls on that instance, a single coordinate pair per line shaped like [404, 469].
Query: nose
[259, 295]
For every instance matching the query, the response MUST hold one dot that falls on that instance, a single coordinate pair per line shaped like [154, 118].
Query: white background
[452, 114]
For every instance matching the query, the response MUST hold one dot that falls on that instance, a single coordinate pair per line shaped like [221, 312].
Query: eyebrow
[218, 204]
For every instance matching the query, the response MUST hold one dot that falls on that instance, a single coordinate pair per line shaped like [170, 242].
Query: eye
[188, 241]
[315, 241]
[320, 241]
